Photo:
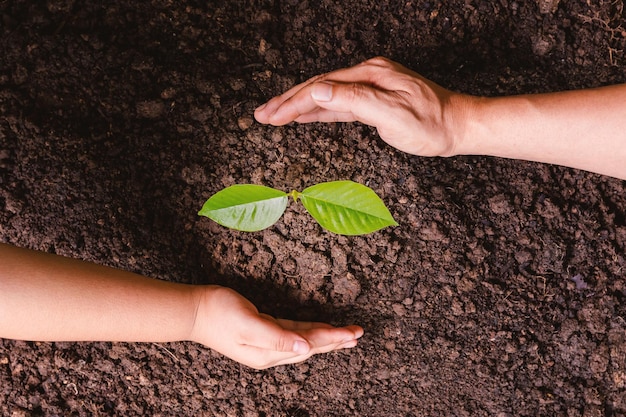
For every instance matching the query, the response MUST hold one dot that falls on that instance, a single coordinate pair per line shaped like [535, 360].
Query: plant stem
[295, 195]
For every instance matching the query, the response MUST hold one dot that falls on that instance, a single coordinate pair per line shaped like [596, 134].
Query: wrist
[199, 297]
[208, 307]
[464, 110]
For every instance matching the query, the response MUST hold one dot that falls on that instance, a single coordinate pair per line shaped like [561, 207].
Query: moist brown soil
[501, 293]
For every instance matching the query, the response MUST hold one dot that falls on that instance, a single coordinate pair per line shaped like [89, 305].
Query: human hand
[230, 324]
[410, 112]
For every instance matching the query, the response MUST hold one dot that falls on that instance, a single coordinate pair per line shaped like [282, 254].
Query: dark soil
[501, 293]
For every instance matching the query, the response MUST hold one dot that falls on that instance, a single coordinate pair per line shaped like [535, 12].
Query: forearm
[51, 298]
[583, 129]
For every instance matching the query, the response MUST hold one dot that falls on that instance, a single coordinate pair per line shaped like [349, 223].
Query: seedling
[342, 207]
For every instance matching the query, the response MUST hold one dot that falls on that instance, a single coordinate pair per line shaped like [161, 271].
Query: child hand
[410, 112]
[231, 325]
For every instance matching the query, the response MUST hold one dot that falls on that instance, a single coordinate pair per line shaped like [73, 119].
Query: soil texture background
[501, 293]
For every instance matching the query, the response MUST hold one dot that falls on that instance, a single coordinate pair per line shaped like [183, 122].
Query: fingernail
[322, 91]
[357, 335]
[261, 107]
[300, 347]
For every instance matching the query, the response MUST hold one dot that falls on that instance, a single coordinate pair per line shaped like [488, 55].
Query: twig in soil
[615, 32]
[545, 287]
[71, 385]
[167, 351]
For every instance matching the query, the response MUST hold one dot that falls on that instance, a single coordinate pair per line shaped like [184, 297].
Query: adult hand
[230, 324]
[581, 129]
[410, 112]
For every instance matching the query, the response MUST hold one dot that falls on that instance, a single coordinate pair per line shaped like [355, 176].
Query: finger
[303, 107]
[292, 98]
[269, 335]
[321, 333]
[287, 107]
[296, 325]
[326, 116]
[321, 340]
[282, 360]
[275, 111]
[335, 346]
[362, 103]
[263, 112]
[302, 325]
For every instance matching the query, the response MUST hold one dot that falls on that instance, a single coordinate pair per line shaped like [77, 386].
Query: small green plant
[342, 207]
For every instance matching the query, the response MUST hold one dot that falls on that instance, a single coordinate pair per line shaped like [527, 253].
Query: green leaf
[246, 207]
[346, 207]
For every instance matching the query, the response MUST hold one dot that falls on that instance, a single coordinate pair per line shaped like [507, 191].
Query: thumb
[363, 103]
[269, 335]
